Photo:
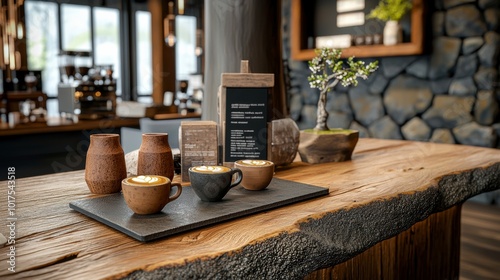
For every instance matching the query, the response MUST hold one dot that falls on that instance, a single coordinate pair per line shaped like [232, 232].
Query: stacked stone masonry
[451, 94]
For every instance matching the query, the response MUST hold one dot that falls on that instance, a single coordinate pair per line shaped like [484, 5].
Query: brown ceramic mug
[257, 174]
[148, 194]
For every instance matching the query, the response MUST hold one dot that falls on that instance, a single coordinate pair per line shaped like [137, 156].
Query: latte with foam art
[255, 162]
[210, 169]
[146, 180]
[148, 194]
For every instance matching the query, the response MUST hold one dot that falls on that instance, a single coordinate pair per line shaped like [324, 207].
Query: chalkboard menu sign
[244, 105]
[246, 123]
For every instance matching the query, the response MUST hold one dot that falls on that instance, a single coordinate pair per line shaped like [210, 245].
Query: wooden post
[244, 67]
[163, 55]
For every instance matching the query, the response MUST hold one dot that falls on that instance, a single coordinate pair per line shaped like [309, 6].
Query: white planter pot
[393, 34]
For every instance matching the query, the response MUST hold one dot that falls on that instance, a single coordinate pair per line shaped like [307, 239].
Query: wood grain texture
[251, 80]
[480, 242]
[386, 188]
[427, 250]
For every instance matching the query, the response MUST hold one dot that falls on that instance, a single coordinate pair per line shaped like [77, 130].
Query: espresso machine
[85, 90]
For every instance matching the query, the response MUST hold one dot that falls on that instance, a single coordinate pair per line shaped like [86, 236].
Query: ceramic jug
[105, 164]
[155, 156]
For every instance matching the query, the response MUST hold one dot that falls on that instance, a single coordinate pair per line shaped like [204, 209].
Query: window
[185, 57]
[101, 39]
[42, 40]
[144, 53]
[76, 35]
[107, 41]
[99, 28]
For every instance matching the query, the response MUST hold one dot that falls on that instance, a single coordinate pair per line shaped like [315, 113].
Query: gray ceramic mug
[211, 183]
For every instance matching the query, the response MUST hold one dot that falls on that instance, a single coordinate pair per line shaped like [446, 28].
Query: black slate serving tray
[189, 212]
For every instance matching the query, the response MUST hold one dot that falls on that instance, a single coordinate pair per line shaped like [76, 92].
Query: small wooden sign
[198, 145]
[244, 114]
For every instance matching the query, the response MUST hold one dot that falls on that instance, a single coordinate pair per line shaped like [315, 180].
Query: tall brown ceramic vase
[105, 165]
[155, 156]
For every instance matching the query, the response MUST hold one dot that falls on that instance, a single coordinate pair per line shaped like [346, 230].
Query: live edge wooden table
[393, 212]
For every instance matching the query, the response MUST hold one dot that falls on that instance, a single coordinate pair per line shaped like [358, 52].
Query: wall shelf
[414, 47]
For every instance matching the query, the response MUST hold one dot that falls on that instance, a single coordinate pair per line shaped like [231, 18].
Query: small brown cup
[148, 194]
[257, 174]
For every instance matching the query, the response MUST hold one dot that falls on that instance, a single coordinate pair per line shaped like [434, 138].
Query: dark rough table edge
[327, 240]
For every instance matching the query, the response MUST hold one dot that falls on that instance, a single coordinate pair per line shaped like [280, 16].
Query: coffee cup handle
[238, 180]
[179, 191]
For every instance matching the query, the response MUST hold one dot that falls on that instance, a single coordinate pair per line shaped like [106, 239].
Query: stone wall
[450, 95]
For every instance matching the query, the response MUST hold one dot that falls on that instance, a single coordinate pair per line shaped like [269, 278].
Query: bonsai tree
[387, 10]
[327, 70]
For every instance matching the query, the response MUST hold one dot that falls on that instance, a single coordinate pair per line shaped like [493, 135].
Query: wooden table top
[388, 186]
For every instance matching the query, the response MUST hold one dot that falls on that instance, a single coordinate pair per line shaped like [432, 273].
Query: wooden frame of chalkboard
[244, 115]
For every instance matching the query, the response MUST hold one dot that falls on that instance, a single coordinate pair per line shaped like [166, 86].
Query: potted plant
[322, 144]
[391, 12]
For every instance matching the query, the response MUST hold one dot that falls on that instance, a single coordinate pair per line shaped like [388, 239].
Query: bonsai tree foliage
[327, 70]
[390, 10]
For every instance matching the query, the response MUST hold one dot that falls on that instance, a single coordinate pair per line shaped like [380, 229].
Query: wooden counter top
[387, 187]
[55, 124]
[62, 125]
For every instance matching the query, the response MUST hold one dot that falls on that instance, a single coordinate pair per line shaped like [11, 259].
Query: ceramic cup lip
[147, 184]
[225, 169]
[213, 186]
[241, 163]
[145, 198]
[256, 177]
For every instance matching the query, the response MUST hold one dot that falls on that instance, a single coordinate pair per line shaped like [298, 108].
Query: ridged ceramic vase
[105, 164]
[155, 156]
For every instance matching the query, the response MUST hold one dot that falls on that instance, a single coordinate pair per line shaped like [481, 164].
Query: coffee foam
[255, 162]
[146, 180]
[210, 169]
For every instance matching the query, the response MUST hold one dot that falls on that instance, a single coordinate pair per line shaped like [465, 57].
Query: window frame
[128, 55]
[128, 58]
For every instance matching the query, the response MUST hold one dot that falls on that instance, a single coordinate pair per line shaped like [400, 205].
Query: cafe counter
[392, 212]
[57, 145]
[56, 124]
